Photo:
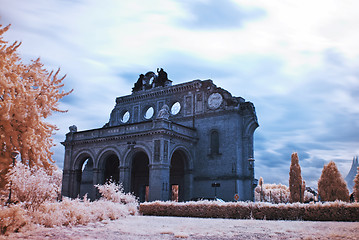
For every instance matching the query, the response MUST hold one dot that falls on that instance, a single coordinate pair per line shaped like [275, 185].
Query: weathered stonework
[205, 136]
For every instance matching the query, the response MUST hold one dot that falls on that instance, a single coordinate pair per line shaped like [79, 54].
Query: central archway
[111, 171]
[140, 176]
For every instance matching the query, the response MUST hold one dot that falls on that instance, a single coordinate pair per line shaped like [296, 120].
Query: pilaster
[159, 182]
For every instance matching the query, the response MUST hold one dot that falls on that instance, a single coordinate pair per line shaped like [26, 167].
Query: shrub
[36, 195]
[33, 186]
[277, 193]
[12, 218]
[329, 211]
[114, 192]
[70, 212]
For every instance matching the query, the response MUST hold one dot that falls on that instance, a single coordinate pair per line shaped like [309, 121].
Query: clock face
[215, 100]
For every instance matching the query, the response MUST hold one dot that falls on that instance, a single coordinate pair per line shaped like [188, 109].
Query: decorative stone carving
[147, 80]
[162, 78]
[139, 84]
[151, 80]
[215, 100]
[73, 129]
[164, 113]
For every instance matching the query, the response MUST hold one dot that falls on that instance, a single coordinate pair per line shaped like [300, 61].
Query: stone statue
[162, 77]
[164, 113]
[152, 80]
[73, 129]
[139, 84]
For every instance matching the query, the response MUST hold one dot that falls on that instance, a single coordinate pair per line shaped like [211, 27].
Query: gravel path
[149, 227]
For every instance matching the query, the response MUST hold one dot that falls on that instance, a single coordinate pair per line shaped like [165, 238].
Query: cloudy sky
[297, 61]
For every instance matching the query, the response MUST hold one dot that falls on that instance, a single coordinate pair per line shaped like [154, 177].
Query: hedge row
[329, 211]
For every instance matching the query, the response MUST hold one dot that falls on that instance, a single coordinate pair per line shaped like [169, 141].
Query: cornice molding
[160, 91]
[166, 132]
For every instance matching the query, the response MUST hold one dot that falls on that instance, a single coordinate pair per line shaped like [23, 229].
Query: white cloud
[297, 62]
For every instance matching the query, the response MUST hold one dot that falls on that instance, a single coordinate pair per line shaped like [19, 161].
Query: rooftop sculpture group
[158, 80]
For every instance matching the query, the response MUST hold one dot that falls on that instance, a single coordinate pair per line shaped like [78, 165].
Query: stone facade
[168, 143]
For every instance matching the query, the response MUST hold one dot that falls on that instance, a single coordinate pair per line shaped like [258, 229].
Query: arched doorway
[111, 171]
[140, 176]
[177, 176]
[84, 178]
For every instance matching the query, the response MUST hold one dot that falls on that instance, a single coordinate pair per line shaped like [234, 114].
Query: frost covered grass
[329, 211]
[153, 227]
[34, 201]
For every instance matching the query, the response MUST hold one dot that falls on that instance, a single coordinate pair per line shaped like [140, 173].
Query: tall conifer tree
[260, 183]
[28, 95]
[296, 184]
[331, 185]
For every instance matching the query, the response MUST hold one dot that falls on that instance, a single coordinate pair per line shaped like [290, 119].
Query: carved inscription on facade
[136, 110]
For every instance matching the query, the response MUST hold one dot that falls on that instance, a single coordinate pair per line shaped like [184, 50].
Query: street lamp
[251, 163]
[14, 155]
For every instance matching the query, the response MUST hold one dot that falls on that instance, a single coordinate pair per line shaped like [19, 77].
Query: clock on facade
[215, 100]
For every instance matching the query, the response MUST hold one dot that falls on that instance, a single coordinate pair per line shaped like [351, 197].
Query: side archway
[140, 175]
[83, 176]
[180, 176]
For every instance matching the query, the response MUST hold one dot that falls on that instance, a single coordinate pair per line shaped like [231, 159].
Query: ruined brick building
[167, 142]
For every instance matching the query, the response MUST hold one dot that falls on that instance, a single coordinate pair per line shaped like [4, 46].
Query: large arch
[140, 175]
[83, 175]
[128, 155]
[180, 175]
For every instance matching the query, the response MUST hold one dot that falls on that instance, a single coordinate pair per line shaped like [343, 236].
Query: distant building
[352, 173]
[167, 142]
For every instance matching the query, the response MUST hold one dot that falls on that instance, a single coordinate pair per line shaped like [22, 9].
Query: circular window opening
[149, 113]
[175, 109]
[125, 117]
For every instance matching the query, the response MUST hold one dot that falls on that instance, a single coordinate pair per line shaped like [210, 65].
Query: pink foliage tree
[331, 185]
[28, 95]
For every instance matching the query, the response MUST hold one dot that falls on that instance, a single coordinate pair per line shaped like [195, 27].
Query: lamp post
[14, 155]
[251, 169]
[215, 185]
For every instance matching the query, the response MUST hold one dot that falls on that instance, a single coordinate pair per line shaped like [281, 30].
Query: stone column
[96, 180]
[125, 176]
[66, 180]
[75, 179]
[159, 182]
[188, 184]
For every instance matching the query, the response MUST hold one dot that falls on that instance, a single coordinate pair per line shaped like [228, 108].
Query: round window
[125, 117]
[149, 113]
[175, 109]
